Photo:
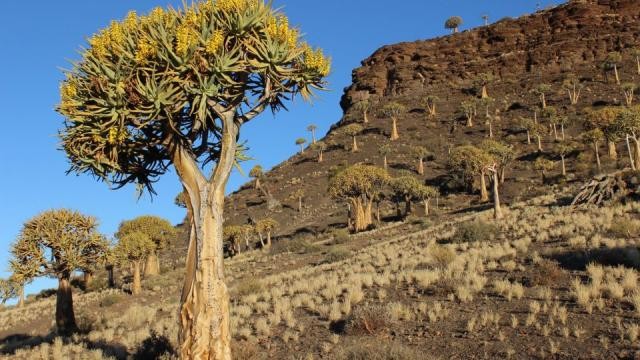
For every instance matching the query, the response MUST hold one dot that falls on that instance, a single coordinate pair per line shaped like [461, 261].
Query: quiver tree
[430, 102]
[628, 122]
[543, 165]
[538, 131]
[611, 63]
[468, 108]
[133, 248]
[480, 84]
[10, 289]
[246, 231]
[358, 185]
[502, 153]
[233, 235]
[493, 169]
[605, 119]
[159, 230]
[541, 91]
[470, 161]
[353, 130]
[56, 243]
[489, 119]
[300, 142]
[384, 150]
[526, 125]
[406, 189]
[320, 147]
[551, 114]
[593, 138]
[257, 173]
[419, 153]
[453, 23]
[175, 87]
[636, 54]
[485, 18]
[572, 85]
[265, 227]
[628, 89]
[562, 150]
[312, 129]
[425, 194]
[298, 195]
[563, 121]
[363, 107]
[110, 260]
[393, 110]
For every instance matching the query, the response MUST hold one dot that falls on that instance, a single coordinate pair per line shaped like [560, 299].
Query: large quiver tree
[159, 230]
[56, 243]
[174, 87]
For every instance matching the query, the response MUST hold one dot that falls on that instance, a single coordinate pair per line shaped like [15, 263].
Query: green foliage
[340, 236]
[385, 149]
[362, 106]
[393, 109]
[8, 289]
[319, 146]
[256, 172]
[266, 225]
[564, 148]
[312, 128]
[134, 246]
[419, 152]
[541, 89]
[592, 136]
[613, 58]
[151, 84]
[499, 151]
[468, 107]
[336, 253]
[352, 129]
[181, 199]
[453, 22]
[571, 82]
[301, 141]
[56, 242]
[159, 230]
[358, 180]
[469, 159]
[474, 231]
[544, 165]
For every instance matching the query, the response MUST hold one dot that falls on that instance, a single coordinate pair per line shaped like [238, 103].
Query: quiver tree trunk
[362, 213]
[111, 278]
[543, 100]
[539, 143]
[497, 210]
[611, 149]
[615, 71]
[597, 153]
[385, 164]
[258, 183]
[425, 202]
[484, 94]
[204, 331]
[636, 142]
[394, 129]
[365, 115]
[528, 137]
[136, 284]
[320, 156]
[299, 204]
[65, 317]
[21, 295]
[562, 131]
[152, 265]
[564, 168]
[421, 166]
[484, 195]
[503, 170]
[631, 160]
[354, 148]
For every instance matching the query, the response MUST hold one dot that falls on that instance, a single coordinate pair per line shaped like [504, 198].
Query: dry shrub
[249, 286]
[442, 256]
[340, 236]
[473, 231]
[247, 350]
[110, 299]
[336, 254]
[368, 320]
[624, 228]
[377, 349]
[547, 273]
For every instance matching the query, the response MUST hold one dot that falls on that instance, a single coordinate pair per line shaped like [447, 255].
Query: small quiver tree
[572, 85]
[628, 90]
[384, 150]
[363, 107]
[320, 147]
[469, 109]
[233, 235]
[56, 243]
[453, 23]
[174, 87]
[611, 63]
[358, 185]
[257, 173]
[470, 161]
[426, 193]
[393, 110]
[298, 195]
[11, 288]
[593, 138]
[562, 150]
[480, 84]
[301, 142]
[407, 189]
[266, 227]
[502, 153]
[133, 248]
[420, 153]
[544, 166]
[541, 91]
[159, 230]
[312, 129]
[430, 103]
[353, 130]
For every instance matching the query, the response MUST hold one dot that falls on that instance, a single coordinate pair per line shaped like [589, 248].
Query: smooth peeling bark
[564, 168]
[615, 71]
[539, 142]
[631, 161]
[355, 145]
[611, 149]
[365, 116]
[528, 137]
[636, 142]
[394, 129]
[152, 266]
[204, 304]
[497, 210]
[136, 285]
[320, 156]
[425, 202]
[385, 164]
[484, 195]
[597, 152]
[65, 317]
[484, 92]
[421, 166]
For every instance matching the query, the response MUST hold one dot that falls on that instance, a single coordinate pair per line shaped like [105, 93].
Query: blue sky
[40, 37]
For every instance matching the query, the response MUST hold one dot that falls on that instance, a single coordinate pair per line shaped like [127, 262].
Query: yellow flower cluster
[216, 42]
[185, 38]
[234, 5]
[116, 33]
[315, 60]
[100, 44]
[157, 15]
[279, 30]
[131, 21]
[146, 50]
[68, 90]
[116, 136]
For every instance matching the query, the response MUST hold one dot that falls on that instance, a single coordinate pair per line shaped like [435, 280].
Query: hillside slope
[520, 54]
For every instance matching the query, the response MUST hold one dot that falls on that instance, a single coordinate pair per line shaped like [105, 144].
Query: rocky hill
[519, 54]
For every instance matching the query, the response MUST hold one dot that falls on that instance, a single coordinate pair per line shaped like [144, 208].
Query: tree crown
[266, 225]
[256, 172]
[469, 159]
[393, 109]
[150, 84]
[300, 141]
[453, 22]
[159, 230]
[134, 246]
[352, 129]
[358, 180]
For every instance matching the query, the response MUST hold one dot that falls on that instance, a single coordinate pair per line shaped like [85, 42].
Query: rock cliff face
[520, 54]
[561, 39]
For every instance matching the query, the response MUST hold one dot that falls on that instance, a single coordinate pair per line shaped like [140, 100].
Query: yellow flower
[68, 90]
[316, 61]
[184, 39]
[216, 42]
[116, 33]
[278, 29]
[131, 21]
[234, 5]
[99, 45]
[146, 50]
[97, 139]
[157, 15]
[113, 136]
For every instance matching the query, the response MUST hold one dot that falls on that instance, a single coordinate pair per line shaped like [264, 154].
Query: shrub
[473, 231]
[336, 254]
[340, 236]
[110, 299]
[301, 246]
[624, 228]
[547, 273]
[378, 349]
[442, 256]
[368, 320]
[249, 286]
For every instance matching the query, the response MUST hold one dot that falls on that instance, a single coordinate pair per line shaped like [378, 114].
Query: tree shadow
[578, 260]
[9, 345]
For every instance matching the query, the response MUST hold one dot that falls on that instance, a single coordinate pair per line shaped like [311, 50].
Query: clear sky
[39, 37]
